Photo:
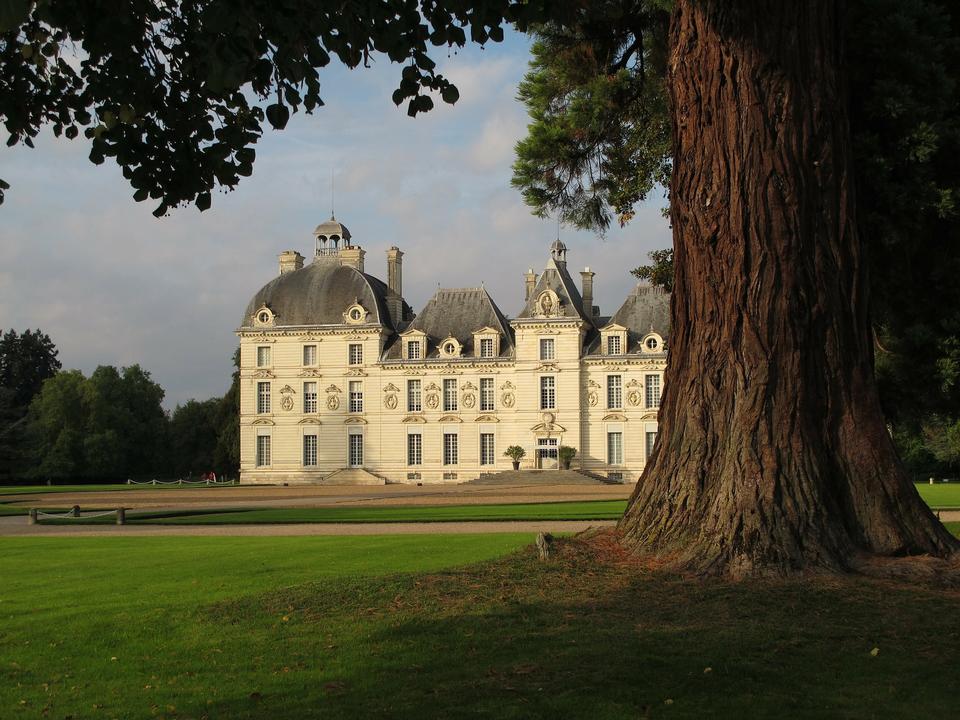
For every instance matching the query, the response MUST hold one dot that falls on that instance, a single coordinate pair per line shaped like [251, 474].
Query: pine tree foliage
[599, 138]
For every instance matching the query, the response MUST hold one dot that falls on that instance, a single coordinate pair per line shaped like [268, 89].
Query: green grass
[941, 495]
[399, 627]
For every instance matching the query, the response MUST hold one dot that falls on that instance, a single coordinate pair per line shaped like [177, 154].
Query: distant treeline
[61, 425]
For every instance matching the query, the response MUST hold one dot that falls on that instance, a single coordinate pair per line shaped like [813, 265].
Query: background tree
[226, 458]
[660, 270]
[26, 360]
[194, 431]
[109, 426]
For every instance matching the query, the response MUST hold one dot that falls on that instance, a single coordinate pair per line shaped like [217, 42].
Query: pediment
[414, 419]
[649, 416]
[487, 419]
[354, 421]
[391, 388]
[450, 419]
[487, 330]
[613, 327]
[413, 333]
[545, 427]
[615, 417]
[309, 421]
[263, 421]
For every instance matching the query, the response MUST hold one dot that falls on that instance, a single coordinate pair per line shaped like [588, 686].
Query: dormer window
[355, 314]
[414, 351]
[614, 339]
[486, 342]
[450, 348]
[263, 316]
[652, 343]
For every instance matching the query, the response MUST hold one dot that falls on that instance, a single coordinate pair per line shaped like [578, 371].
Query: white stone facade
[338, 376]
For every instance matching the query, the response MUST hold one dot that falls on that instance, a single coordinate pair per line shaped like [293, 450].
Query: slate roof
[318, 294]
[646, 309]
[457, 312]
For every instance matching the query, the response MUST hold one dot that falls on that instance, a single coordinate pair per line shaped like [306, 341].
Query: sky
[112, 285]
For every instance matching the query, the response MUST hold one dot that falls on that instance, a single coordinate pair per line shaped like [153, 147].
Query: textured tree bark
[773, 454]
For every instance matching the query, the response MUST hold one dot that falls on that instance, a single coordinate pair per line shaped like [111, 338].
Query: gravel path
[17, 526]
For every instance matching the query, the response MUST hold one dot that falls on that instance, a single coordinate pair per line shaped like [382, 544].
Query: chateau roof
[319, 294]
[458, 313]
[646, 310]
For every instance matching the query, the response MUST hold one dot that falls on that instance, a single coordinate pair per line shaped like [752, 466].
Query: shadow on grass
[582, 637]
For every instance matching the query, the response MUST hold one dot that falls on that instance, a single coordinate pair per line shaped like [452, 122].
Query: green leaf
[278, 115]
[141, 195]
[450, 94]
[203, 201]
[13, 13]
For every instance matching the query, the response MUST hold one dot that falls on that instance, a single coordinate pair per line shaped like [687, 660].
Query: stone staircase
[542, 477]
[353, 476]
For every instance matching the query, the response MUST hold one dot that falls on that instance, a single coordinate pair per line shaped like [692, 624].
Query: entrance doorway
[547, 457]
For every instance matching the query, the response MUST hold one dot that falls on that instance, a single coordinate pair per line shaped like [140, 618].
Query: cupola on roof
[332, 230]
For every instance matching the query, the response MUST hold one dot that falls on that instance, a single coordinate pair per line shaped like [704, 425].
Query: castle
[341, 382]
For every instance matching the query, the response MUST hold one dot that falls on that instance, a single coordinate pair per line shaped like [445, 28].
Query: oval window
[652, 344]
[355, 314]
[448, 348]
[264, 317]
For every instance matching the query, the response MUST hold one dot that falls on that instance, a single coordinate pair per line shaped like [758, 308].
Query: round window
[355, 314]
[264, 317]
[449, 348]
[652, 344]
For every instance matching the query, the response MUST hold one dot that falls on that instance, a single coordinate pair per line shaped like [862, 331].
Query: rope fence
[181, 481]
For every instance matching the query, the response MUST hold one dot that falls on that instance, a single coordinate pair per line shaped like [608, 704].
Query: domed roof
[332, 228]
[319, 294]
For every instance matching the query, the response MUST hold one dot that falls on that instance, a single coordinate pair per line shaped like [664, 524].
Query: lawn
[36, 489]
[941, 495]
[403, 627]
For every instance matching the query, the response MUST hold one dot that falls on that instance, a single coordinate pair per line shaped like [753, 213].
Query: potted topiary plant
[566, 454]
[515, 453]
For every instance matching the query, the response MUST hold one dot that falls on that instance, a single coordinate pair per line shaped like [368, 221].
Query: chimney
[586, 282]
[395, 284]
[352, 256]
[290, 260]
[531, 278]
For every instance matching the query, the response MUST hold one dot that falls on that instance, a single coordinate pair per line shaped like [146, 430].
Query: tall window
[414, 400]
[486, 394]
[356, 450]
[547, 349]
[356, 354]
[413, 350]
[309, 397]
[652, 390]
[548, 392]
[263, 397]
[309, 450]
[309, 354]
[486, 347]
[615, 448]
[415, 449]
[263, 356]
[651, 441]
[450, 395]
[450, 448]
[614, 392]
[487, 450]
[263, 450]
[356, 396]
[613, 345]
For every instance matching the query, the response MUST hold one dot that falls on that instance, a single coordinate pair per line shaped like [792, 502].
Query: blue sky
[112, 285]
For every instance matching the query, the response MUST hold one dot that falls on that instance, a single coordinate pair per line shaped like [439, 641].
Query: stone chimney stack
[290, 260]
[352, 256]
[395, 270]
[586, 282]
[395, 284]
[531, 278]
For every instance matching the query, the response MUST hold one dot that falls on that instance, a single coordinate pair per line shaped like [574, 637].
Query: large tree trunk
[773, 454]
